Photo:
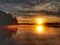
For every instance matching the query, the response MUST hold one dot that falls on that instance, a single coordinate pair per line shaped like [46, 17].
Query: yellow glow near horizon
[39, 21]
[39, 29]
[39, 26]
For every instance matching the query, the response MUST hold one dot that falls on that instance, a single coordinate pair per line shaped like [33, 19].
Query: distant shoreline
[46, 24]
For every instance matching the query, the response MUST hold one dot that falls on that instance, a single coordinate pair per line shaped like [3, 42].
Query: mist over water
[26, 34]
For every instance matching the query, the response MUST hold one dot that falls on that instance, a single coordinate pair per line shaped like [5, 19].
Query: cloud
[32, 6]
[51, 6]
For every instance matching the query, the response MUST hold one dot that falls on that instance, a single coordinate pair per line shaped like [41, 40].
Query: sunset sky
[25, 9]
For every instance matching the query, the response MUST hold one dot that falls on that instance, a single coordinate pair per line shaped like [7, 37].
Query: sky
[32, 8]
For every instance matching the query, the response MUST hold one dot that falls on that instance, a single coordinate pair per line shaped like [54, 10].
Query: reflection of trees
[6, 19]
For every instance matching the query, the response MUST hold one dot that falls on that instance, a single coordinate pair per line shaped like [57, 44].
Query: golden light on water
[39, 29]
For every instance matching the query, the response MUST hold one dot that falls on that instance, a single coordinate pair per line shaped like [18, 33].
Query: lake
[37, 35]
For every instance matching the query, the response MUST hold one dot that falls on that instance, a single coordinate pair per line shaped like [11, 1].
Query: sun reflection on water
[39, 29]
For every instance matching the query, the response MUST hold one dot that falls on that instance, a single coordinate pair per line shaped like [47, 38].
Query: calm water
[37, 35]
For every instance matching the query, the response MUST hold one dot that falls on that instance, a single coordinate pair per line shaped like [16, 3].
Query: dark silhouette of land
[46, 24]
[6, 19]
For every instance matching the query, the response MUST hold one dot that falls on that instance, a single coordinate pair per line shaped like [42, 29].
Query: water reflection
[39, 29]
[37, 35]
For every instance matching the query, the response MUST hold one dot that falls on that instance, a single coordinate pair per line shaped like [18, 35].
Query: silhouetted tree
[6, 19]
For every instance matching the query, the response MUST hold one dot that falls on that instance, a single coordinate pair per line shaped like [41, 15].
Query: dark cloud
[21, 7]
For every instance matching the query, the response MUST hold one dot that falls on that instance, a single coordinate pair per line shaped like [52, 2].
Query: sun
[39, 21]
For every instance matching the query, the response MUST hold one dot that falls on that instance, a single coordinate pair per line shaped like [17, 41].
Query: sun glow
[39, 21]
[39, 29]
